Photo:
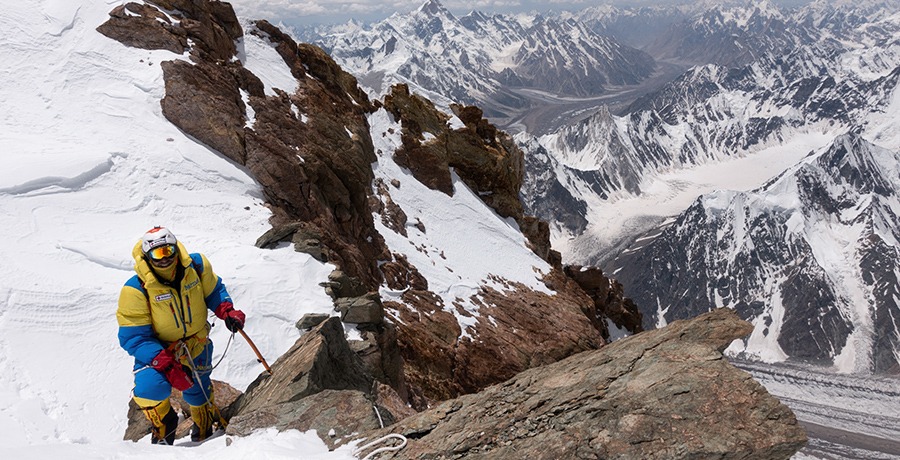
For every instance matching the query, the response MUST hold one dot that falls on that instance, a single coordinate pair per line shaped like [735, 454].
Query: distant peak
[433, 7]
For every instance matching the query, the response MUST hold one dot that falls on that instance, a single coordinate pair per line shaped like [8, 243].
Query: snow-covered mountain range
[768, 86]
[481, 59]
[94, 159]
[838, 85]
[811, 258]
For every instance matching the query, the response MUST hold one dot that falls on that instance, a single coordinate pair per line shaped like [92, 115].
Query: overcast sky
[306, 12]
[330, 11]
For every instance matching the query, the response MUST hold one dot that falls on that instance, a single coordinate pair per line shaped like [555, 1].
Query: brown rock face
[486, 159]
[317, 169]
[212, 26]
[609, 300]
[320, 360]
[525, 329]
[206, 101]
[318, 384]
[662, 394]
[143, 26]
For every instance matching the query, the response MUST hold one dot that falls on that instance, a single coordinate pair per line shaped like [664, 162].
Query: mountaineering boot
[204, 417]
[163, 421]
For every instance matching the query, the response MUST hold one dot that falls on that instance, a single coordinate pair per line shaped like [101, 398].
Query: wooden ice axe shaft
[256, 350]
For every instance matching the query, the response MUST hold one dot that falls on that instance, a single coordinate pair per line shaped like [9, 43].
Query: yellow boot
[205, 417]
[163, 421]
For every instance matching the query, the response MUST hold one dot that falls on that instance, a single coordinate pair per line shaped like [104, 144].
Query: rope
[381, 439]
[380, 421]
[197, 381]
[382, 449]
[230, 338]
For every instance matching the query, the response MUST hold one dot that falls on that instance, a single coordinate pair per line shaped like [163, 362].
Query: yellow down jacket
[153, 314]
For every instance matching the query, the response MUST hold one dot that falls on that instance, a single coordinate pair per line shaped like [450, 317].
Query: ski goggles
[162, 252]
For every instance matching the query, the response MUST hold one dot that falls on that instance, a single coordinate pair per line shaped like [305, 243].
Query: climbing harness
[227, 346]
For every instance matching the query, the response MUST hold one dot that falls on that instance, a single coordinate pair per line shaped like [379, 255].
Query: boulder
[336, 415]
[320, 360]
[211, 27]
[321, 384]
[343, 285]
[366, 309]
[143, 26]
[661, 394]
[311, 320]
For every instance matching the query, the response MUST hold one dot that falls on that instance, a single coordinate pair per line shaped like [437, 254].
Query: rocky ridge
[660, 394]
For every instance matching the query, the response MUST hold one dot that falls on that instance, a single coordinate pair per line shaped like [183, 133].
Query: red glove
[172, 370]
[234, 319]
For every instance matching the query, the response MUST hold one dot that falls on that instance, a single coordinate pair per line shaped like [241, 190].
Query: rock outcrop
[485, 158]
[321, 384]
[662, 394]
[515, 330]
[609, 300]
[315, 171]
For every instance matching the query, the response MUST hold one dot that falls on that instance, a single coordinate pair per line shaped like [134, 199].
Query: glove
[234, 319]
[172, 370]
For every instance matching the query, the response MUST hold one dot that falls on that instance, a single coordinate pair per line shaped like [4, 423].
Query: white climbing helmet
[156, 237]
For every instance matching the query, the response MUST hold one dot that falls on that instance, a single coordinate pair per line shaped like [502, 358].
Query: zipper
[174, 316]
[181, 310]
[190, 311]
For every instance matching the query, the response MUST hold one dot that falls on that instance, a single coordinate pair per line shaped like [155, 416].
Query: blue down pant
[151, 387]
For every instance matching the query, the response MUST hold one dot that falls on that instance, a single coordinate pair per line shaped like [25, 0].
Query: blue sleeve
[139, 342]
[135, 330]
[218, 295]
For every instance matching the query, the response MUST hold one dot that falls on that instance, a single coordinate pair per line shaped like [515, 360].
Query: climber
[162, 318]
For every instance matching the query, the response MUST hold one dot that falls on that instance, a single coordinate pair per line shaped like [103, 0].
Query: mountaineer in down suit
[162, 318]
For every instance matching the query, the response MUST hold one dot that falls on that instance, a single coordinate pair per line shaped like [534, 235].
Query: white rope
[382, 449]
[378, 413]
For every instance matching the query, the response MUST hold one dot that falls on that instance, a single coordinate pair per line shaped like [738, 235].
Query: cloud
[296, 9]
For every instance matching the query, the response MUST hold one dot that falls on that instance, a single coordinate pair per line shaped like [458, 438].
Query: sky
[312, 12]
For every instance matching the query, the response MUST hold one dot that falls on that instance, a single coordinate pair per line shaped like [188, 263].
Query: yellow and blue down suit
[153, 315]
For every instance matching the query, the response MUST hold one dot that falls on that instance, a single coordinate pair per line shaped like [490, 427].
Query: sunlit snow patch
[465, 244]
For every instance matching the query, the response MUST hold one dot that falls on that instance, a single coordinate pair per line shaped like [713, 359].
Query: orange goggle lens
[162, 252]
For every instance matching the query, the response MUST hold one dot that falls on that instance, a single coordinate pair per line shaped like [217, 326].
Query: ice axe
[259, 355]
